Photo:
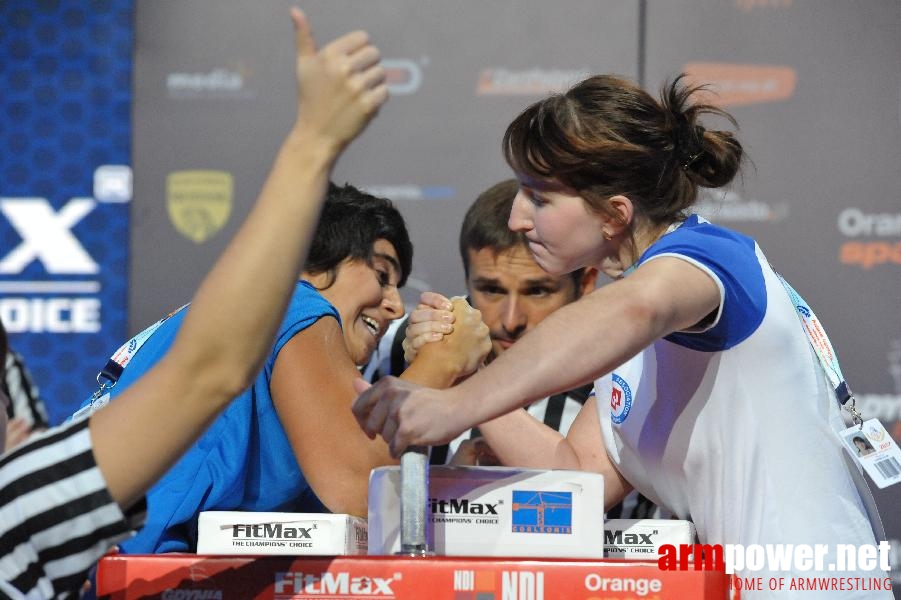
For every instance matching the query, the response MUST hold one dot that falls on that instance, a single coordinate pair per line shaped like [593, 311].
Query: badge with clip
[875, 450]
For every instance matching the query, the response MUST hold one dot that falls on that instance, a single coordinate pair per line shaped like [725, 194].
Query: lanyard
[121, 357]
[819, 341]
[109, 374]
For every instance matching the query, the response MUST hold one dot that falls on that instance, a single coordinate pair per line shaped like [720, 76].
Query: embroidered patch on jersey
[620, 400]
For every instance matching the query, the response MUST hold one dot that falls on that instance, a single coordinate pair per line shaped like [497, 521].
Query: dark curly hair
[350, 223]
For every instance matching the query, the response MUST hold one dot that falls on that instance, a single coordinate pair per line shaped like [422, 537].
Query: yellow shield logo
[199, 202]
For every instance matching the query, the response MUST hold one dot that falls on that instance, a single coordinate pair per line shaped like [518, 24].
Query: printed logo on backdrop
[65, 189]
[542, 512]
[65, 298]
[732, 84]
[199, 202]
[500, 81]
[228, 82]
[749, 5]
[411, 192]
[894, 363]
[403, 75]
[886, 407]
[729, 206]
[870, 253]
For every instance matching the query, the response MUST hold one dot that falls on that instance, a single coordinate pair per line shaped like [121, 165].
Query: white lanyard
[819, 341]
[109, 375]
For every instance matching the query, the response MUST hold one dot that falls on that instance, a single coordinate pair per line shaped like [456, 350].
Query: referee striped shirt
[21, 389]
[56, 515]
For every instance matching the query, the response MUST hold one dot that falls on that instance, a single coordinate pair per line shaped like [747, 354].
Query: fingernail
[447, 318]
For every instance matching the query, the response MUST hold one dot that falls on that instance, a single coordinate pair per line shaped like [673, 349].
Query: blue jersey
[244, 461]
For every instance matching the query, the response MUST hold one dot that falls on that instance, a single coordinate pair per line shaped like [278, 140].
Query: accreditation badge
[872, 446]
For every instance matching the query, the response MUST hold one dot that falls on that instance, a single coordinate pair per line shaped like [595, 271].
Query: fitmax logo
[618, 538]
[277, 531]
[54, 304]
[192, 595]
[47, 236]
[457, 506]
[296, 582]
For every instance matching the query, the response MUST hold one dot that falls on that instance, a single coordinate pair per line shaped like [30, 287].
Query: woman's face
[564, 235]
[367, 299]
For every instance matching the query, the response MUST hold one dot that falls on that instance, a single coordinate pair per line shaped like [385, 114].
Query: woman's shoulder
[696, 230]
[707, 244]
[306, 302]
[307, 306]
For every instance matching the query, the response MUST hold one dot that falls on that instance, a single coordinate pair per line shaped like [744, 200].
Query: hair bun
[689, 144]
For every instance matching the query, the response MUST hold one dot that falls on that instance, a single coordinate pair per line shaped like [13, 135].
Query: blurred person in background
[26, 412]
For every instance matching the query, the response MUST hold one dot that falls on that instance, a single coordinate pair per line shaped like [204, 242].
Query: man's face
[515, 294]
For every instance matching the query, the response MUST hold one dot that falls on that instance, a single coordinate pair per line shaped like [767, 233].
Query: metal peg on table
[414, 488]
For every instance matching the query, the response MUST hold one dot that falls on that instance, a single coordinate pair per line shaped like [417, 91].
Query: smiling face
[514, 294]
[563, 233]
[366, 297]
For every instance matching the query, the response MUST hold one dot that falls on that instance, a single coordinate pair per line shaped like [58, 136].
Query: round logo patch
[620, 400]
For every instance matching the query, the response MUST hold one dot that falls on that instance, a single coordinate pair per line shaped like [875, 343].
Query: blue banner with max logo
[65, 188]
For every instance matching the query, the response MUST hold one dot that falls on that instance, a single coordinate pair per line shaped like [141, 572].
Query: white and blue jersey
[732, 424]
